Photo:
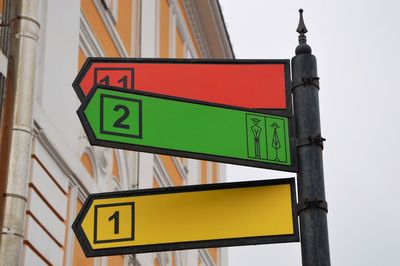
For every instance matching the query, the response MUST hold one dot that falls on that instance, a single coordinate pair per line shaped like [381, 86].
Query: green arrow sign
[161, 124]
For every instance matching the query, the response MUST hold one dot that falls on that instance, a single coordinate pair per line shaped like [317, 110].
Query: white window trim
[89, 151]
[197, 29]
[217, 172]
[172, 31]
[209, 172]
[162, 258]
[112, 8]
[80, 183]
[206, 257]
[87, 40]
[160, 173]
[108, 22]
[181, 168]
[157, 33]
[182, 27]
[136, 27]
[69, 246]
[122, 168]
[176, 22]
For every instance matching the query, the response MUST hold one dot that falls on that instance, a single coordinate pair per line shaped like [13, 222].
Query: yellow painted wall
[115, 170]
[66, 222]
[155, 183]
[214, 254]
[180, 2]
[180, 53]
[124, 22]
[183, 160]
[85, 160]
[164, 29]
[115, 261]
[81, 58]
[173, 172]
[203, 172]
[79, 257]
[124, 28]
[89, 10]
[173, 259]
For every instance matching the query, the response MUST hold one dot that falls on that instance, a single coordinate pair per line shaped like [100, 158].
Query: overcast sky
[357, 45]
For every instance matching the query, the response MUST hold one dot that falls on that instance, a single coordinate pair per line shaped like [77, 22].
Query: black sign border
[260, 164]
[89, 252]
[286, 62]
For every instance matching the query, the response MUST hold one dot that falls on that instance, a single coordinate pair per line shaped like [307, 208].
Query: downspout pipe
[4, 44]
[16, 128]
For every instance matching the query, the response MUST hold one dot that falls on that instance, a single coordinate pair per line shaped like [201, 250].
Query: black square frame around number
[131, 69]
[132, 237]
[103, 131]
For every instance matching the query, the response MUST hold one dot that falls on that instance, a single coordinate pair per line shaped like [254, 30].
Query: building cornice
[206, 19]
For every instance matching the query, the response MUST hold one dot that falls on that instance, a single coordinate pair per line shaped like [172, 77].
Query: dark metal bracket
[313, 81]
[315, 203]
[319, 140]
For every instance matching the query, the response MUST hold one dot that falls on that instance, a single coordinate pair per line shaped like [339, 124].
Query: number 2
[119, 122]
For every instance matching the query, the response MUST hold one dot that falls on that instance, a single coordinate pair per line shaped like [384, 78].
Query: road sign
[260, 84]
[134, 120]
[200, 216]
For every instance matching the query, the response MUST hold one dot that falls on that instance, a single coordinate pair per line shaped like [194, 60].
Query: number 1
[105, 80]
[124, 81]
[115, 217]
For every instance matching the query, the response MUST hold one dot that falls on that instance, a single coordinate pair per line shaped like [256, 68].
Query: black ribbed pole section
[312, 207]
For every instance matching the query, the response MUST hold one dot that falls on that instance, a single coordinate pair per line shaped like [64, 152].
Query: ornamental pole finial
[301, 29]
[303, 47]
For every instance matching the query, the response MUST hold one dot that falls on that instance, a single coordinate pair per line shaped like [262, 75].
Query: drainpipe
[16, 128]
[4, 38]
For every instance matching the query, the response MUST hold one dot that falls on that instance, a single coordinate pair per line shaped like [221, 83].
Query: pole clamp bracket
[318, 139]
[308, 204]
[313, 81]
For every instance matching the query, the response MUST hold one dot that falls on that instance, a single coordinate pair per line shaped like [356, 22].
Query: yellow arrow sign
[188, 217]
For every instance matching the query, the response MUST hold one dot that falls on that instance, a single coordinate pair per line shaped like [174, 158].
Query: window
[87, 163]
[112, 8]
[115, 168]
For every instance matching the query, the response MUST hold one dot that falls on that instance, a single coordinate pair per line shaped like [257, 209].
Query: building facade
[63, 167]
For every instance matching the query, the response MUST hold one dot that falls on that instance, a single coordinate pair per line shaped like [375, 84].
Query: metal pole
[312, 207]
[16, 128]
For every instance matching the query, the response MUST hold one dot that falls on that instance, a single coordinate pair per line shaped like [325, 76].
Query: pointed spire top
[303, 47]
[301, 29]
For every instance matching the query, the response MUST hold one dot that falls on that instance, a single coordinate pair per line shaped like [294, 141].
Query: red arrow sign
[260, 84]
